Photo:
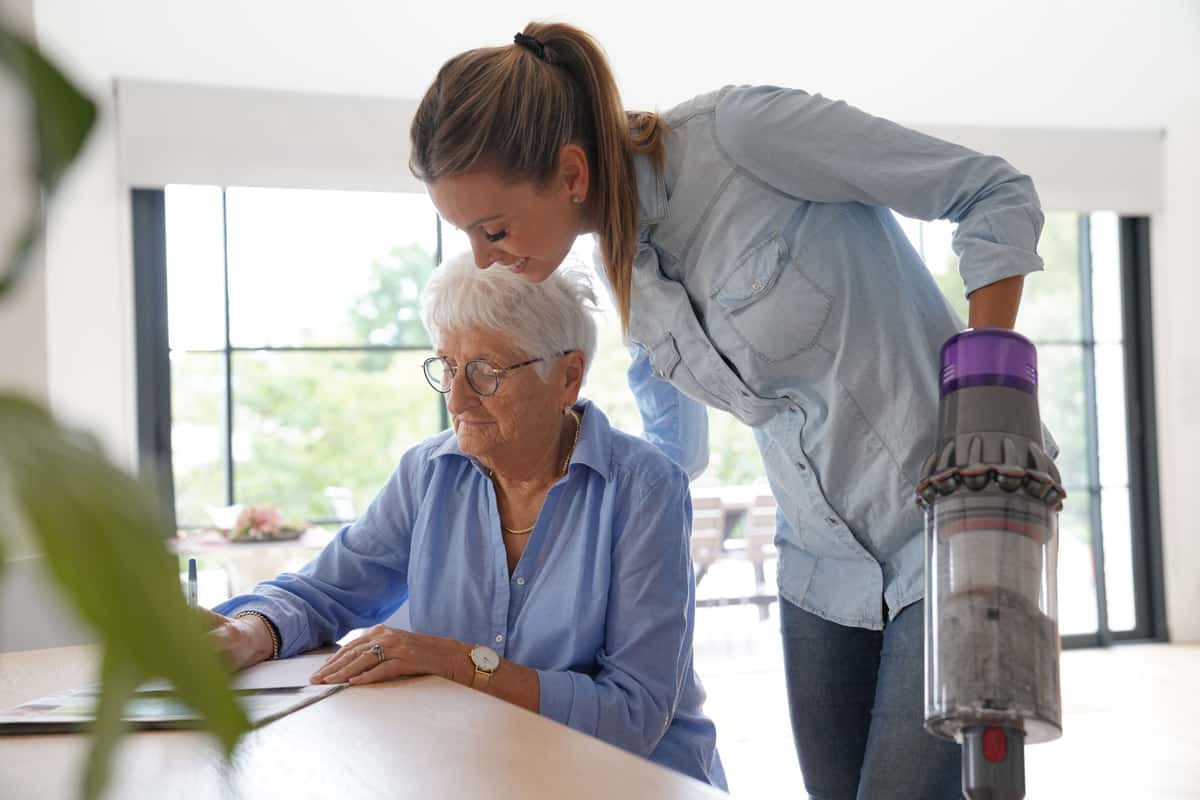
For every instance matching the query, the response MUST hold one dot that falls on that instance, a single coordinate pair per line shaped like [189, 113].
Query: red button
[995, 744]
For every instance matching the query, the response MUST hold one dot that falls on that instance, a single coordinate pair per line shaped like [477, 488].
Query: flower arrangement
[262, 524]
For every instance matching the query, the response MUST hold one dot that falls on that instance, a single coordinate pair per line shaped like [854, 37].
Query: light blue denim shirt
[601, 603]
[773, 282]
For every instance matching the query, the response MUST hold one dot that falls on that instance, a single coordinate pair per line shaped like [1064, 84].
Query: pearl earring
[576, 199]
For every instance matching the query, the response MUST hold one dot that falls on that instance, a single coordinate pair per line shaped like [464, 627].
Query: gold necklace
[561, 472]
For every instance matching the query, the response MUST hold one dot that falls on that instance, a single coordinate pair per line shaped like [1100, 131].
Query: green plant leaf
[62, 115]
[119, 678]
[62, 118]
[102, 534]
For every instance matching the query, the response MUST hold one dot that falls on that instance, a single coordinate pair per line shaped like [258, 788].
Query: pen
[191, 584]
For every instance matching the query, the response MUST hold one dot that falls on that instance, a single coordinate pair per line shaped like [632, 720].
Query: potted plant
[101, 531]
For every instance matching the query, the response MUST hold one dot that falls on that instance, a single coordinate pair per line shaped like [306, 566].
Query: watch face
[485, 658]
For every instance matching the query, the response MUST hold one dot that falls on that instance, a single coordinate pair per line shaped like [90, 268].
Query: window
[295, 345]
[292, 369]
[1083, 314]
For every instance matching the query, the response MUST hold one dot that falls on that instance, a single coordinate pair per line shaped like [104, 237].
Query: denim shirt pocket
[777, 310]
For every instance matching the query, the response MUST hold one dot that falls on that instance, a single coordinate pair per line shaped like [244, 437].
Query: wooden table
[424, 738]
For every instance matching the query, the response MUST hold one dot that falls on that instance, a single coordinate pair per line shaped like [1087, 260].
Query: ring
[378, 651]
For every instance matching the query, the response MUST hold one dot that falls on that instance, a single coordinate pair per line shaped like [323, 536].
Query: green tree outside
[306, 421]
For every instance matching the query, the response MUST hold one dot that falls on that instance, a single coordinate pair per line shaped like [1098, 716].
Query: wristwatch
[486, 662]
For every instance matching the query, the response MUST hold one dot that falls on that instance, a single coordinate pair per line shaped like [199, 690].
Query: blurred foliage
[101, 532]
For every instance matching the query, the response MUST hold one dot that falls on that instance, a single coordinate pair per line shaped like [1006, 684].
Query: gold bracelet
[272, 631]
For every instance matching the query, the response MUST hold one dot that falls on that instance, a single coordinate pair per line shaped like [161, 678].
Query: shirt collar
[652, 191]
[594, 449]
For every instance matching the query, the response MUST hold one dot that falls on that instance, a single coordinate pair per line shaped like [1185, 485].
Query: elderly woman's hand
[244, 641]
[383, 654]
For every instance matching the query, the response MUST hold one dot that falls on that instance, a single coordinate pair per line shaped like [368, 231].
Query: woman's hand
[243, 641]
[383, 654]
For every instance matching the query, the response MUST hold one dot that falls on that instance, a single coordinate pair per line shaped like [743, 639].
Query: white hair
[543, 319]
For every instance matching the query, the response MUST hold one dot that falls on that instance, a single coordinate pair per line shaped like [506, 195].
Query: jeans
[857, 705]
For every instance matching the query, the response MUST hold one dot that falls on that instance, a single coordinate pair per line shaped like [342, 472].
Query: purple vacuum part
[988, 357]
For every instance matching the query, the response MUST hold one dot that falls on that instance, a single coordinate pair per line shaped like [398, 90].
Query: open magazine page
[266, 691]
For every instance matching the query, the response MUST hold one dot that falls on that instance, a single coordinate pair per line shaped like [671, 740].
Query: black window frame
[153, 349]
[1141, 440]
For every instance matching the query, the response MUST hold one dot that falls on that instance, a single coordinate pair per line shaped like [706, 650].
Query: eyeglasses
[482, 375]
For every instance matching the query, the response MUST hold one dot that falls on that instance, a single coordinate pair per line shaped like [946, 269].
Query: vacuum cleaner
[991, 496]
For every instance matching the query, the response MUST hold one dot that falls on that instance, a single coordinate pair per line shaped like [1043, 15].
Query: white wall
[31, 613]
[22, 314]
[1038, 63]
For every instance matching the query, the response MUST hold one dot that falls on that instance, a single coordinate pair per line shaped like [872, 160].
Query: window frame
[1141, 440]
[153, 350]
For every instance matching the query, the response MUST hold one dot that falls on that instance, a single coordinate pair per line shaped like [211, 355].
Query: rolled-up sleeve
[822, 150]
[357, 580]
[631, 699]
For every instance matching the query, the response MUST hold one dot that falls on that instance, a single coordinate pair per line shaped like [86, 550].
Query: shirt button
[802, 467]
[520, 581]
[757, 286]
[499, 638]
[831, 520]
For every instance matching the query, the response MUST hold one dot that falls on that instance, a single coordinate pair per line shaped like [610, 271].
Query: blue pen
[191, 584]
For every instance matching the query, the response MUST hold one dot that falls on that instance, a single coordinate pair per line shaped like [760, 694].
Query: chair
[708, 522]
[759, 547]
[760, 535]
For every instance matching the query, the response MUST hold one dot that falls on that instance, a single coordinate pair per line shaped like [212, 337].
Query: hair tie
[531, 44]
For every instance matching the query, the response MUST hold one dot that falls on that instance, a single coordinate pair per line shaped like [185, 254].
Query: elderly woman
[543, 555]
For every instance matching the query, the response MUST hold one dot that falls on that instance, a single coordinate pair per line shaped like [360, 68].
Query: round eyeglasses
[482, 375]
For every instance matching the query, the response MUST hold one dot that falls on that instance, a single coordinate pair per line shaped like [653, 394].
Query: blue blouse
[601, 603]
